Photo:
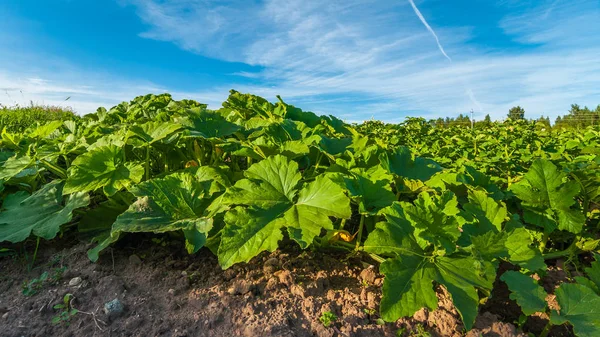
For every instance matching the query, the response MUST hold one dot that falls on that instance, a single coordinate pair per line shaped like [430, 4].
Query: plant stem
[148, 162]
[562, 253]
[37, 245]
[360, 230]
[546, 330]
[342, 224]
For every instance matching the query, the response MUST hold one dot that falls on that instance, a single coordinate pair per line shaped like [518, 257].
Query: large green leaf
[394, 236]
[409, 234]
[175, 202]
[434, 219]
[152, 132]
[15, 165]
[547, 200]
[401, 163]
[273, 200]
[370, 189]
[530, 296]
[580, 306]
[41, 213]
[521, 253]
[207, 124]
[409, 281]
[105, 168]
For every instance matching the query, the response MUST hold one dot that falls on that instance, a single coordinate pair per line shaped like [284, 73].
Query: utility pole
[472, 119]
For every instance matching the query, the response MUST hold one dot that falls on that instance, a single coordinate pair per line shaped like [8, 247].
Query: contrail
[418, 12]
[468, 90]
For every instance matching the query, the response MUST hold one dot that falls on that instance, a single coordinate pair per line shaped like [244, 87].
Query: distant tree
[544, 120]
[487, 119]
[516, 113]
[558, 121]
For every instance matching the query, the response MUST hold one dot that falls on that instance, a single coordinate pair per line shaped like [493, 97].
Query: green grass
[18, 118]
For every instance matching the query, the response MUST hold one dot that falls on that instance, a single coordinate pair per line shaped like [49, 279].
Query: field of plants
[454, 208]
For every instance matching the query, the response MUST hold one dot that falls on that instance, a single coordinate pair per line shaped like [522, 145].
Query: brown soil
[166, 292]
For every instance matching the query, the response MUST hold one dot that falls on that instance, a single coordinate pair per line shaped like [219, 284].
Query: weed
[327, 318]
[34, 286]
[66, 310]
[369, 311]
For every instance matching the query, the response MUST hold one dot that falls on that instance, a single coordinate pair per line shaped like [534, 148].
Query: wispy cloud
[310, 50]
[357, 58]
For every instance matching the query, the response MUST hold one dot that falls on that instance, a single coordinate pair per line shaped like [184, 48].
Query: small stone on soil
[135, 260]
[74, 282]
[5, 316]
[113, 308]
[368, 275]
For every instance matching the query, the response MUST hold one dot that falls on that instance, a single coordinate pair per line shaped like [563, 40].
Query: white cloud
[355, 58]
[379, 51]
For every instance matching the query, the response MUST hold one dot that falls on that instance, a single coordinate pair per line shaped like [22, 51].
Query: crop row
[435, 207]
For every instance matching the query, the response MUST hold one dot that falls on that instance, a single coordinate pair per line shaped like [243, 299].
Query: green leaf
[249, 231]
[530, 296]
[490, 245]
[102, 167]
[318, 201]
[461, 277]
[166, 204]
[14, 165]
[394, 236]
[521, 253]
[580, 306]
[207, 124]
[98, 221]
[272, 200]
[175, 202]
[152, 132]
[42, 213]
[547, 200]
[401, 163]
[434, 220]
[486, 210]
[408, 285]
[369, 188]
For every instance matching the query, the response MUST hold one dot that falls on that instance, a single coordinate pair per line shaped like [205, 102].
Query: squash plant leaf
[207, 124]
[422, 239]
[580, 306]
[521, 253]
[105, 168]
[401, 163]
[409, 281]
[270, 199]
[175, 202]
[41, 213]
[530, 296]
[152, 132]
[434, 219]
[370, 189]
[15, 165]
[547, 200]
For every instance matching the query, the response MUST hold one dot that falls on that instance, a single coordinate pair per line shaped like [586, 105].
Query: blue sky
[351, 58]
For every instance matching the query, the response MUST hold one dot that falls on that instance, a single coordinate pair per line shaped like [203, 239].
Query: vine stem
[360, 230]
[37, 245]
[546, 330]
[342, 224]
[148, 162]
[572, 249]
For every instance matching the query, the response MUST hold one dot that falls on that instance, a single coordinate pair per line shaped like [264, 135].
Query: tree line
[576, 117]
